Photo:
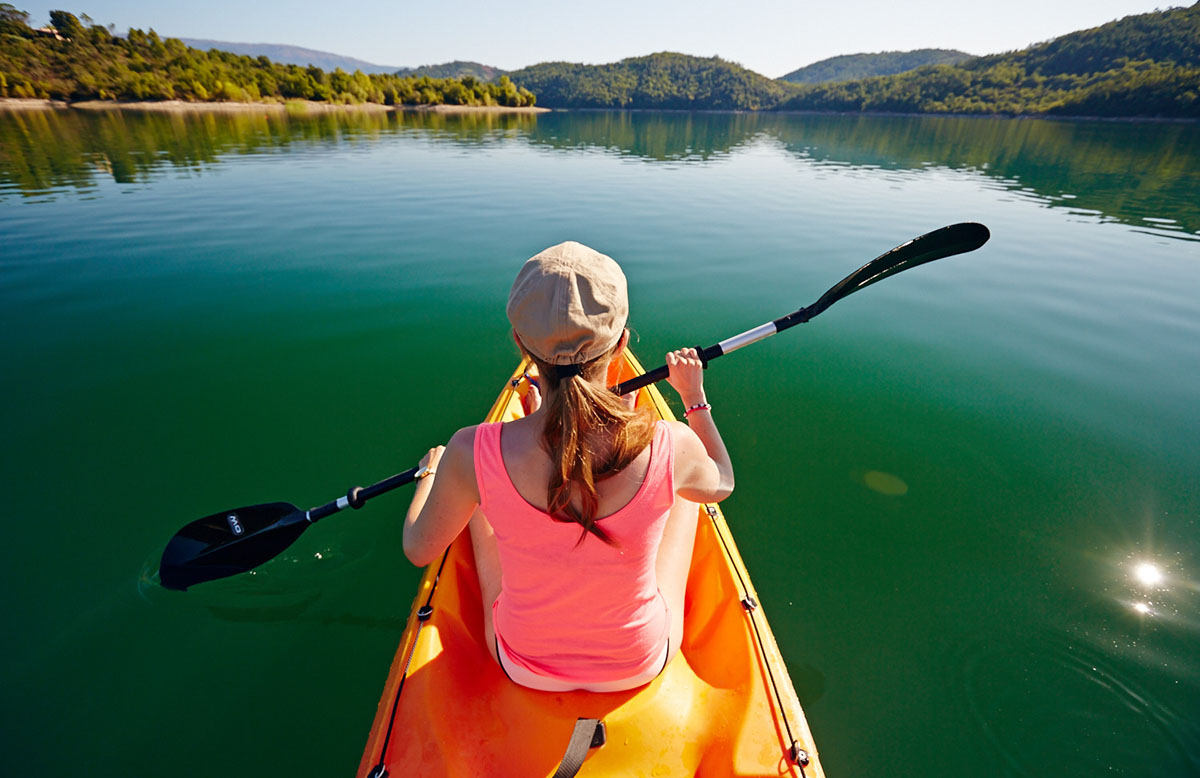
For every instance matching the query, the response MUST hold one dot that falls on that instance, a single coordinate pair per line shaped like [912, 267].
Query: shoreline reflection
[1138, 174]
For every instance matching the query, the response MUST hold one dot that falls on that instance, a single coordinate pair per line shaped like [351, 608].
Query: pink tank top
[580, 613]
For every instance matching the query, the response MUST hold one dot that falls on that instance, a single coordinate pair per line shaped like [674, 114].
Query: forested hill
[663, 80]
[1144, 65]
[885, 63]
[1162, 36]
[455, 69]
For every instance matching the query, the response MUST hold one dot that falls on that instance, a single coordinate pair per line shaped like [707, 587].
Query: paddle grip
[659, 373]
[387, 484]
[357, 496]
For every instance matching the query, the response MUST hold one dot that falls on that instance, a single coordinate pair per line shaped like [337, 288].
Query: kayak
[724, 706]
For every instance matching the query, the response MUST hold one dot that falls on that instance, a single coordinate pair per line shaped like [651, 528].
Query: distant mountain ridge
[293, 55]
[848, 67]
[327, 61]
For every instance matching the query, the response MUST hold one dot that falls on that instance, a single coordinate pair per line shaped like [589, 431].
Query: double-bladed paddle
[241, 539]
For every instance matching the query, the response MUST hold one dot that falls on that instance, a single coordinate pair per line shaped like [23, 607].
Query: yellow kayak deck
[724, 706]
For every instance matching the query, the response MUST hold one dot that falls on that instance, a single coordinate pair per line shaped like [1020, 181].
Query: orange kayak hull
[724, 706]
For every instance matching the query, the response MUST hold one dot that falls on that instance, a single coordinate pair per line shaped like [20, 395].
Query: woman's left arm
[443, 501]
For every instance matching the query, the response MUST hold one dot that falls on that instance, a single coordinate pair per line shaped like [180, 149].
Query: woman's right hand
[686, 375]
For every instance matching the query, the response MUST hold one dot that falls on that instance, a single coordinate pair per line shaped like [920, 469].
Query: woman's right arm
[703, 471]
[442, 503]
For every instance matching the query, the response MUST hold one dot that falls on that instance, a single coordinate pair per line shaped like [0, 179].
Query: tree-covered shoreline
[1142, 66]
[74, 60]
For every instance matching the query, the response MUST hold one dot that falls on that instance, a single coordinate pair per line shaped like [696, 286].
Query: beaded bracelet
[697, 407]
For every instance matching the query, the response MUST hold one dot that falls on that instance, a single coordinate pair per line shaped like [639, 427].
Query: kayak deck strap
[588, 734]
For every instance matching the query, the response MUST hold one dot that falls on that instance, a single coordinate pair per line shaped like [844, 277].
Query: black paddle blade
[229, 542]
[946, 242]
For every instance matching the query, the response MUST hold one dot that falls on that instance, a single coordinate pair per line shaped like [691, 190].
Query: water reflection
[1125, 172]
[1160, 587]
[1142, 174]
[649, 135]
[44, 151]
[1148, 574]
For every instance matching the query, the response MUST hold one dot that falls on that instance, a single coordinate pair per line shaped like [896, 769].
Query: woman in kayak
[583, 513]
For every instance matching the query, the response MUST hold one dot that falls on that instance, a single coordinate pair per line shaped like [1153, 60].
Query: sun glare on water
[1148, 574]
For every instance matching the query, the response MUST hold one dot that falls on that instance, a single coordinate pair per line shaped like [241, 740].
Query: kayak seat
[462, 696]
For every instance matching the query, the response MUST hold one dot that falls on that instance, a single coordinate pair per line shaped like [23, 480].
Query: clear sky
[772, 37]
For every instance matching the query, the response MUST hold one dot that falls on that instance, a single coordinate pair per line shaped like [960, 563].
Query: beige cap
[569, 304]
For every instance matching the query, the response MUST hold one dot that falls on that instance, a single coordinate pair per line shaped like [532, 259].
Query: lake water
[946, 483]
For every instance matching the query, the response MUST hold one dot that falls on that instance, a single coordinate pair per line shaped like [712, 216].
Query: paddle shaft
[358, 496]
[945, 242]
[726, 346]
[220, 545]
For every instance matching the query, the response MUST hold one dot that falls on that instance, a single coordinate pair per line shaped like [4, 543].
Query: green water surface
[946, 483]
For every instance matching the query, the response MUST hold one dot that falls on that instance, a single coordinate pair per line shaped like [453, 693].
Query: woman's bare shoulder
[686, 443]
[464, 436]
[462, 443]
[680, 431]
[458, 462]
